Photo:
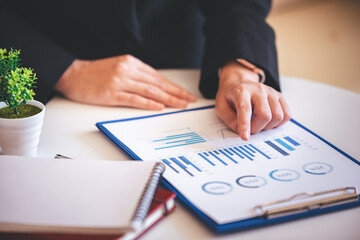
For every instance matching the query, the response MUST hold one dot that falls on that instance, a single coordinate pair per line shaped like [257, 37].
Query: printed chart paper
[226, 177]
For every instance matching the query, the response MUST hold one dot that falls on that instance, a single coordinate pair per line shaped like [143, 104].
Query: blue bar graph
[189, 140]
[247, 152]
[178, 140]
[206, 159]
[234, 154]
[250, 149]
[230, 153]
[271, 144]
[189, 163]
[248, 157]
[292, 141]
[212, 154]
[176, 136]
[284, 144]
[228, 156]
[256, 149]
[238, 154]
[181, 165]
[201, 162]
[169, 164]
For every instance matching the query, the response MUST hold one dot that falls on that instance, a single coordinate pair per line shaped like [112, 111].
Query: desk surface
[333, 113]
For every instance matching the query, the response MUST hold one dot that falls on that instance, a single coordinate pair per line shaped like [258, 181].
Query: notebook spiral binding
[147, 196]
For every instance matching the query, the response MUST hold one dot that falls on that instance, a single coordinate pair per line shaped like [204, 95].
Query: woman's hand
[121, 81]
[246, 105]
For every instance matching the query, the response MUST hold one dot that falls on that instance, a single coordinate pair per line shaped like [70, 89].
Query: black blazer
[202, 34]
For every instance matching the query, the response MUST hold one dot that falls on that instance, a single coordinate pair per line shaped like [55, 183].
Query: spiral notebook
[40, 195]
[162, 205]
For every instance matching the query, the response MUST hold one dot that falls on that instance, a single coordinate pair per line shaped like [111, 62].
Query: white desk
[333, 113]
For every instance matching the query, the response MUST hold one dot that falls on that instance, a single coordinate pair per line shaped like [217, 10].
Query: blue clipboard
[242, 224]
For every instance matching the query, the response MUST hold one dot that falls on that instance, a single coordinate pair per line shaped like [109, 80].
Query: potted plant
[21, 117]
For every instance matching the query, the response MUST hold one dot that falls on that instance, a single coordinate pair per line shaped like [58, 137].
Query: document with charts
[225, 177]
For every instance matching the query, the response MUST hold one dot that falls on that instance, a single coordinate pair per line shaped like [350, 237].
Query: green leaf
[16, 82]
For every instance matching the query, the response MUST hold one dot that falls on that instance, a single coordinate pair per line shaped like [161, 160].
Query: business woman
[107, 53]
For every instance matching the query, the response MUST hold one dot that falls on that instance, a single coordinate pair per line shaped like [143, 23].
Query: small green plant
[16, 82]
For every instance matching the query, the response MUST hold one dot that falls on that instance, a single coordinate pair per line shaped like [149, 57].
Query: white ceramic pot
[21, 136]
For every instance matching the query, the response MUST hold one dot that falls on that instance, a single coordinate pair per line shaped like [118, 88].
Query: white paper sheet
[226, 177]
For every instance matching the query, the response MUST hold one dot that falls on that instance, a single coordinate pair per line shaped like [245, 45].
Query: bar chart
[196, 162]
[225, 177]
[283, 145]
[178, 140]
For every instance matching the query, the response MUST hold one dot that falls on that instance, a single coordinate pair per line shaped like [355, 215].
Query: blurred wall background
[319, 40]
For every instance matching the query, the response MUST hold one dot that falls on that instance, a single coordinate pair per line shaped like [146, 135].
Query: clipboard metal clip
[303, 202]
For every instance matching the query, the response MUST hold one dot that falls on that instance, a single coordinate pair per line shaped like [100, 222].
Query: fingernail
[245, 135]
[183, 103]
[192, 98]
[159, 106]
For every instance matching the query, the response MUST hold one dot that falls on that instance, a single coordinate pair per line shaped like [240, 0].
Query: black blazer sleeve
[38, 52]
[237, 29]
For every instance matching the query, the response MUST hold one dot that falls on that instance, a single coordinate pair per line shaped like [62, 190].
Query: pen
[59, 156]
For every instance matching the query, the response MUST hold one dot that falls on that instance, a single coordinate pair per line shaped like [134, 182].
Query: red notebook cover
[163, 204]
